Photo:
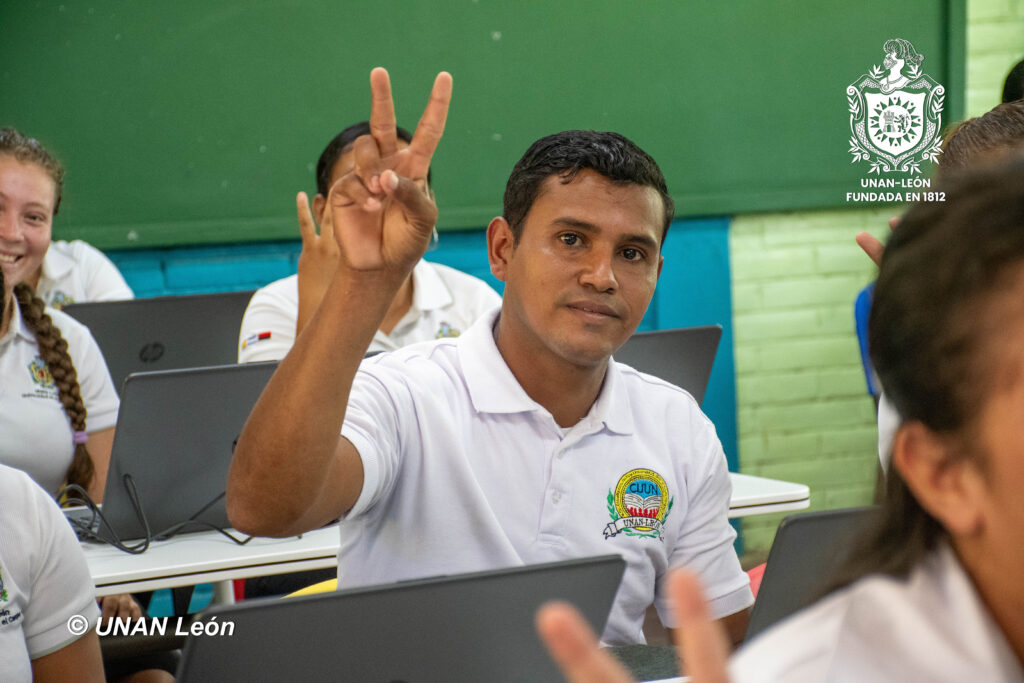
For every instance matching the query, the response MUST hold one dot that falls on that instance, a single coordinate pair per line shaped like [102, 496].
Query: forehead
[592, 198]
[26, 181]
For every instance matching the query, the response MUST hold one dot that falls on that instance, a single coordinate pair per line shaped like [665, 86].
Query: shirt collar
[56, 264]
[429, 291]
[494, 389]
[17, 327]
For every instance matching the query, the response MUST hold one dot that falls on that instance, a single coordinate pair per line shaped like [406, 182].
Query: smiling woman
[31, 186]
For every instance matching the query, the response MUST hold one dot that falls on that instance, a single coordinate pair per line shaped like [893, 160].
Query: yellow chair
[322, 587]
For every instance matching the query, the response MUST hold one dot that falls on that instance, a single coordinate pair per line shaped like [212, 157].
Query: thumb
[419, 207]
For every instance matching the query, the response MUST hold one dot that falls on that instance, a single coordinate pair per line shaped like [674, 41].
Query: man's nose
[598, 271]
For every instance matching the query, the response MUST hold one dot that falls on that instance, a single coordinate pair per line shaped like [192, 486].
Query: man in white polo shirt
[435, 301]
[520, 441]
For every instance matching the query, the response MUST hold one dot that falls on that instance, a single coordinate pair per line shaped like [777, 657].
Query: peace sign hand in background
[384, 202]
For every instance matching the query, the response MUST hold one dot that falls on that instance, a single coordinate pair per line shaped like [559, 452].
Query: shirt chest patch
[639, 505]
[446, 330]
[40, 373]
[60, 299]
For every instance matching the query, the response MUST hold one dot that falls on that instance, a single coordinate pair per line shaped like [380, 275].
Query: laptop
[176, 432]
[808, 549]
[683, 356]
[457, 629]
[166, 332]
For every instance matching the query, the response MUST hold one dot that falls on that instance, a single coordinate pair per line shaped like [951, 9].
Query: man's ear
[950, 489]
[319, 203]
[500, 245]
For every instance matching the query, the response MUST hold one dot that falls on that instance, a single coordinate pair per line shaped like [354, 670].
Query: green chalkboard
[196, 121]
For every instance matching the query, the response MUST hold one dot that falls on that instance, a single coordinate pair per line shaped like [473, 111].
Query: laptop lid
[683, 356]
[808, 549]
[461, 628]
[176, 432]
[164, 333]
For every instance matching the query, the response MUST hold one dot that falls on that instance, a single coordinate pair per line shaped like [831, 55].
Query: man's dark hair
[566, 154]
[341, 143]
[1013, 88]
[984, 138]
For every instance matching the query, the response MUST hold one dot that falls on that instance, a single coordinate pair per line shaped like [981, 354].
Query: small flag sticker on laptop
[253, 338]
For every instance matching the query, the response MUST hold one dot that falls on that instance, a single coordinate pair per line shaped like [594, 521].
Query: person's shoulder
[461, 280]
[77, 250]
[799, 648]
[284, 290]
[654, 388]
[17, 489]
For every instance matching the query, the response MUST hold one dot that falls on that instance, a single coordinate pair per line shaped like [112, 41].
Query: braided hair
[53, 349]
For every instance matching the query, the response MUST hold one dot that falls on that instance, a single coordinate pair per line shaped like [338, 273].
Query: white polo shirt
[79, 272]
[932, 626]
[464, 472]
[36, 434]
[44, 580]
[445, 302]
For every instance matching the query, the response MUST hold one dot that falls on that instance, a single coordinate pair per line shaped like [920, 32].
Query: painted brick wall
[803, 409]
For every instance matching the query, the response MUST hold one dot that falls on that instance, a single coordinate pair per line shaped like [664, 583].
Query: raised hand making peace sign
[384, 202]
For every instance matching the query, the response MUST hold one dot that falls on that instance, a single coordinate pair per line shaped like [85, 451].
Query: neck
[998, 584]
[564, 389]
[400, 305]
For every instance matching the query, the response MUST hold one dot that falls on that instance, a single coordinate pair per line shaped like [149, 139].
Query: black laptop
[176, 433]
[683, 356]
[166, 332]
[808, 549]
[456, 629]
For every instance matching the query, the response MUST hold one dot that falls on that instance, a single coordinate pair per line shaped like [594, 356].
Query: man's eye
[632, 254]
[570, 238]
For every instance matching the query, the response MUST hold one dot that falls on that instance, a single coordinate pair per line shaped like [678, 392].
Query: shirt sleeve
[373, 423]
[268, 327]
[103, 281]
[706, 539]
[60, 584]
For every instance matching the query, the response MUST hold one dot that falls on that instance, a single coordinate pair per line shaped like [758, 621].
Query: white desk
[760, 496]
[209, 557]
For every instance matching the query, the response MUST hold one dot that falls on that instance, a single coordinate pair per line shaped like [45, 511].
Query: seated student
[434, 301]
[31, 180]
[54, 377]
[520, 441]
[997, 133]
[933, 593]
[44, 583]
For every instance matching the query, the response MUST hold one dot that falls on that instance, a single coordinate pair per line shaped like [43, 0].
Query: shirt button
[556, 496]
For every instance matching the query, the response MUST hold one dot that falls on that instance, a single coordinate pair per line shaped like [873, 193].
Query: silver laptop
[166, 332]
[808, 549]
[176, 432]
[457, 629]
[683, 356]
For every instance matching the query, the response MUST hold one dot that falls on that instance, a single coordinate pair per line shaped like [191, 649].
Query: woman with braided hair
[54, 378]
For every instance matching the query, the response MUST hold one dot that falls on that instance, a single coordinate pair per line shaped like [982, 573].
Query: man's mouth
[9, 258]
[594, 309]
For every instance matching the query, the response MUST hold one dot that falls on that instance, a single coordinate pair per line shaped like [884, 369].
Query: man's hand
[317, 261]
[575, 648]
[121, 606]
[873, 246]
[384, 203]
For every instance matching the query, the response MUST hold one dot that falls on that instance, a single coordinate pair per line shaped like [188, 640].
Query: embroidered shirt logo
[446, 330]
[41, 373]
[59, 300]
[3, 591]
[639, 505]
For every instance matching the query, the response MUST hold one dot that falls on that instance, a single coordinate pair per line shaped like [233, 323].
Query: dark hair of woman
[935, 339]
